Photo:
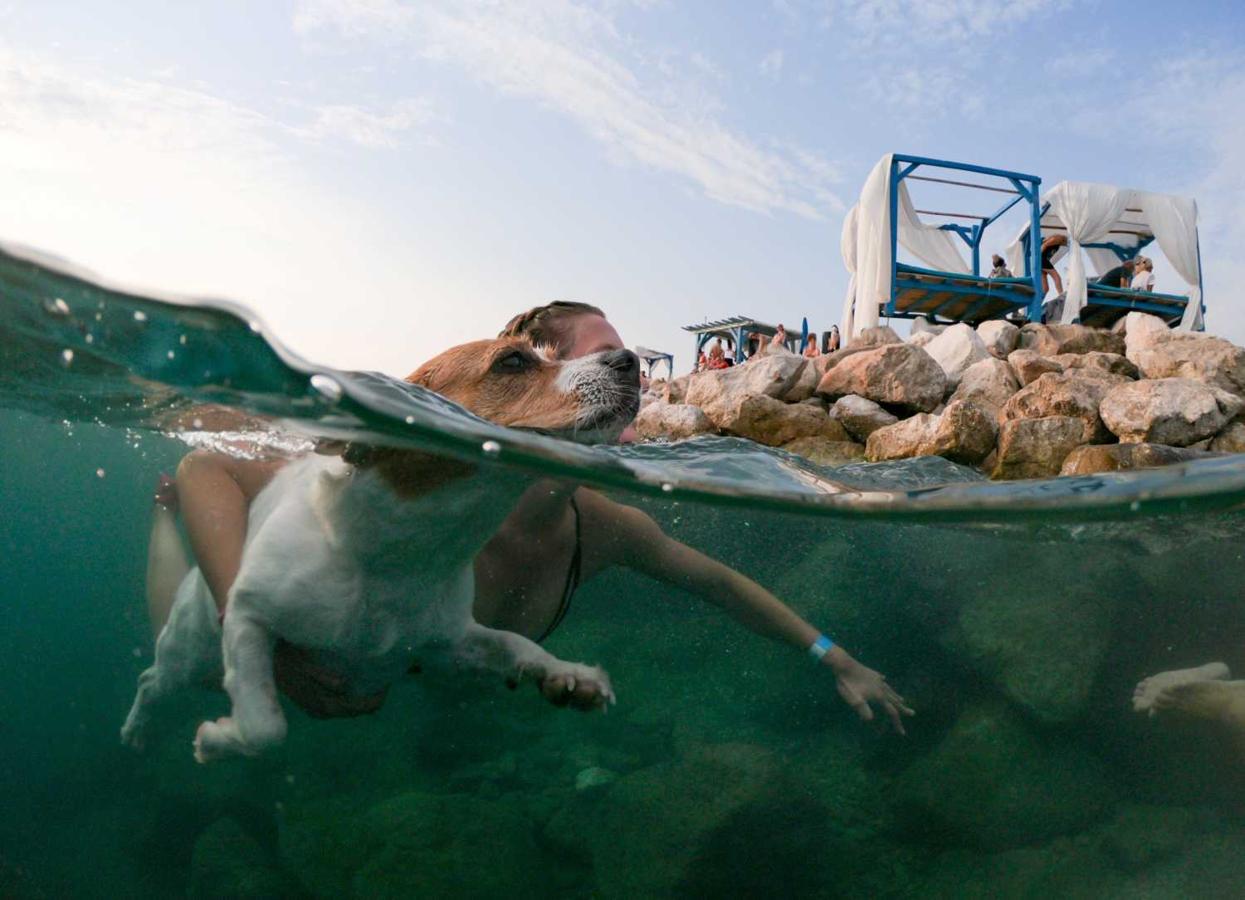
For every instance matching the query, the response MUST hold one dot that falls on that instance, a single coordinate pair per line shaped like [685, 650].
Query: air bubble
[326, 387]
[667, 486]
[1135, 506]
[197, 423]
[100, 473]
[492, 448]
[90, 339]
[410, 420]
[170, 354]
[255, 326]
[182, 340]
[55, 306]
[67, 357]
[140, 316]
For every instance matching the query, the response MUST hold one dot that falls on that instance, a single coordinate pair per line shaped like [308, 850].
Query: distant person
[810, 347]
[1120, 276]
[832, 339]
[702, 362]
[717, 356]
[780, 337]
[1000, 269]
[1143, 276]
[1050, 247]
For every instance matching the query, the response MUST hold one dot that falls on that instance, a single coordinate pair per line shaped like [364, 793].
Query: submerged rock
[999, 337]
[1062, 395]
[894, 375]
[675, 421]
[826, 452]
[1174, 411]
[860, 417]
[1116, 457]
[955, 350]
[229, 862]
[992, 783]
[1042, 649]
[1036, 448]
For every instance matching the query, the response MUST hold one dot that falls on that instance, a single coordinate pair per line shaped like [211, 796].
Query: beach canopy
[1110, 224]
[651, 358]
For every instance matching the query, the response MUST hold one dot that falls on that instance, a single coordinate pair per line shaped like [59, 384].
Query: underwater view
[1015, 619]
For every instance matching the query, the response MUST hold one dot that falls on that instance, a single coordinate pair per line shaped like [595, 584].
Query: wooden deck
[1104, 305]
[957, 298]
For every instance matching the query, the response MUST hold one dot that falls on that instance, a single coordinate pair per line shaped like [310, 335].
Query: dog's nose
[622, 361]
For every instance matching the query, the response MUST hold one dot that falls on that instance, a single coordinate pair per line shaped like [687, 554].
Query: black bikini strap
[572, 578]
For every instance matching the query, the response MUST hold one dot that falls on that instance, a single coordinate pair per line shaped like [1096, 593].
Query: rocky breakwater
[1016, 402]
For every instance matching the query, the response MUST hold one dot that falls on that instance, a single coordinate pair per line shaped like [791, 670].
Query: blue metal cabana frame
[1027, 188]
[651, 358]
[1125, 298]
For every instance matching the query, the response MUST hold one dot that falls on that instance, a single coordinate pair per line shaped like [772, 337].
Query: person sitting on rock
[832, 340]
[717, 356]
[1202, 693]
[810, 347]
[779, 339]
[1000, 269]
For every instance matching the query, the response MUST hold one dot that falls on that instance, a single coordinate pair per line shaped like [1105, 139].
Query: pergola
[735, 331]
[651, 358]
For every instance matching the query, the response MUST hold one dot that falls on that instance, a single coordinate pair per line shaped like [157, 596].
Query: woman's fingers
[896, 722]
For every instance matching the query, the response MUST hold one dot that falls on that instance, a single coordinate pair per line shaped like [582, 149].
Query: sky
[380, 180]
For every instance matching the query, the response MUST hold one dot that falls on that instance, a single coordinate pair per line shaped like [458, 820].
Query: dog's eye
[512, 363]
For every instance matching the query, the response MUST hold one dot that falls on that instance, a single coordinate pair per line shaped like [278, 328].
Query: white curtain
[1174, 223]
[1088, 211]
[867, 240]
[847, 246]
[928, 243]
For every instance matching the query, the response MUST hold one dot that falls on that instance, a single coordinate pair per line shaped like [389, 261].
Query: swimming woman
[558, 537]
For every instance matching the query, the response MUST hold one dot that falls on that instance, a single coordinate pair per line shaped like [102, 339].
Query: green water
[1015, 619]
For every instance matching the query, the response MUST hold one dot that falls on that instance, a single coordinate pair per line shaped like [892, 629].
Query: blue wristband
[820, 647]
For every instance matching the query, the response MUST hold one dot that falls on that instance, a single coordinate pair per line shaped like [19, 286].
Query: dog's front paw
[214, 740]
[133, 734]
[577, 685]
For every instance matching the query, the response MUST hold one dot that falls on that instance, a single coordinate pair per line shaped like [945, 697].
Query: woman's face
[589, 334]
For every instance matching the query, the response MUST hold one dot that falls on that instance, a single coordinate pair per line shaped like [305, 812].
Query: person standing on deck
[1050, 246]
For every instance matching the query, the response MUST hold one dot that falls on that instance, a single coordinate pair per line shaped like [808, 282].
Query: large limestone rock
[1051, 340]
[659, 831]
[674, 421]
[1036, 448]
[1182, 355]
[1174, 411]
[719, 391]
[956, 349]
[989, 383]
[1029, 366]
[921, 338]
[804, 385]
[826, 452]
[1231, 439]
[676, 389]
[769, 421]
[860, 417]
[999, 337]
[894, 375]
[963, 433]
[876, 336]
[1142, 331]
[1062, 395]
[1042, 647]
[991, 783]
[1096, 363]
[1116, 457]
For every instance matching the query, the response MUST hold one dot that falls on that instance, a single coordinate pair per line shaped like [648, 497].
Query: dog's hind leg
[257, 722]
[517, 659]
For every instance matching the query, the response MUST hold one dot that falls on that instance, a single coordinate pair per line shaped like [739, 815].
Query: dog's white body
[339, 563]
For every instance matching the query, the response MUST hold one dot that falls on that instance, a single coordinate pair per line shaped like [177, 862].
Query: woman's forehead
[592, 334]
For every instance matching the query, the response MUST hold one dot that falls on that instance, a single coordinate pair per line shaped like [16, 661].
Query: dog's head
[508, 381]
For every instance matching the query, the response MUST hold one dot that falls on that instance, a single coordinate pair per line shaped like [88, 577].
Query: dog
[365, 559]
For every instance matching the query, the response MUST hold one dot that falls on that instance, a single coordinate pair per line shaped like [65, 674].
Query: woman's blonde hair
[548, 325]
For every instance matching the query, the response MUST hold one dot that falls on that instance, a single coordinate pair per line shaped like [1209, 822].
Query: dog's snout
[622, 361]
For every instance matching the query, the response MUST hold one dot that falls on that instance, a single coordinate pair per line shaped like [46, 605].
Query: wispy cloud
[576, 61]
[771, 65]
[368, 128]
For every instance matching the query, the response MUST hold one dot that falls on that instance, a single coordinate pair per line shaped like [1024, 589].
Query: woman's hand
[860, 686]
